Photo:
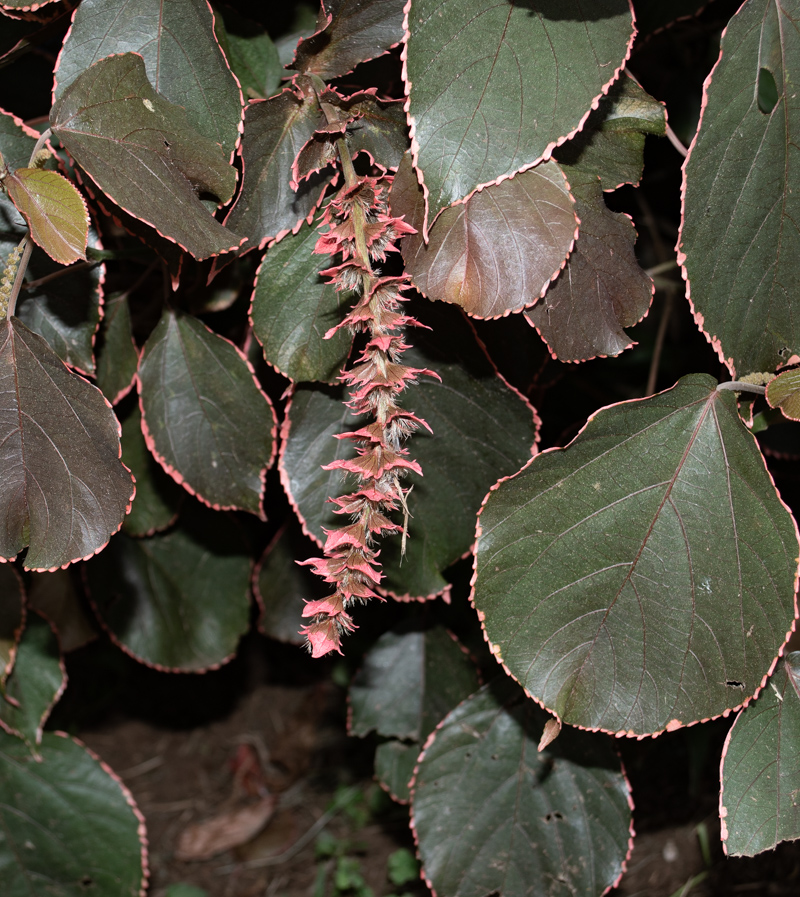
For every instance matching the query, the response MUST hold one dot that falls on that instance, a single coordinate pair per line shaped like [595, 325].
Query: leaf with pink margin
[784, 392]
[349, 32]
[496, 253]
[205, 417]
[178, 601]
[64, 489]
[25, 5]
[36, 683]
[739, 242]
[182, 58]
[493, 88]
[119, 358]
[643, 578]
[275, 130]
[572, 831]
[12, 618]
[54, 210]
[144, 154]
[758, 800]
[67, 820]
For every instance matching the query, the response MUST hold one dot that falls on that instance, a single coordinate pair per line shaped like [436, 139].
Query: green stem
[741, 386]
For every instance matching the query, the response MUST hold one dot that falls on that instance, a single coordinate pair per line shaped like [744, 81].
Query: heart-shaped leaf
[759, 802]
[784, 392]
[349, 32]
[64, 490]
[67, 821]
[482, 429]
[12, 618]
[739, 241]
[119, 357]
[600, 567]
[204, 415]
[556, 821]
[250, 52]
[496, 253]
[143, 152]
[54, 210]
[182, 59]
[275, 131]
[492, 88]
[179, 601]
[293, 308]
[36, 683]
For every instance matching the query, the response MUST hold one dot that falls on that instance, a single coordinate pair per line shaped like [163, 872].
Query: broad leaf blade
[204, 414]
[250, 52]
[349, 32]
[601, 568]
[571, 832]
[761, 760]
[64, 490]
[66, 820]
[143, 152]
[54, 210]
[498, 252]
[179, 601]
[119, 357]
[183, 61]
[293, 308]
[492, 88]
[739, 241]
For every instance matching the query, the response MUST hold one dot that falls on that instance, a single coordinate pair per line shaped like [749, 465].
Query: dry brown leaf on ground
[202, 840]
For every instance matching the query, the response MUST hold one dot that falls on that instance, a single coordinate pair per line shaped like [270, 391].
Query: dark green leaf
[496, 253]
[784, 392]
[349, 32]
[35, 684]
[157, 495]
[54, 595]
[205, 417]
[293, 308]
[601, 567]
[252, 55]
[494, 87]
[25, 4]
[482, 430]
[739, 241]
[182, 58]
[54, 210]
[759, 803]
[492, 815]
[119, 357]
[179, 601]
[143, 152]
[66, 821]
[17, 140]
[394, 767]
[64, 490]
[12, 617]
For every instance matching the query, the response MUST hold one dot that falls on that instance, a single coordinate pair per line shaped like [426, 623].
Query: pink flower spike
[322, 638]
[331, 606]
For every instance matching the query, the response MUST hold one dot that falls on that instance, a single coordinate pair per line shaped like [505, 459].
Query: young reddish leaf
[64, 490]
[205, 417]
[758, 799]
[784, 392]
[561, 817]
[482, 429]
[496, 253]
[492, 88]
[600, 567]
[119, 357]
[739, 241]
[12, 618]
[182, 58]
[54, 595]
[54, 210]
[250, 52]
[601, 290]
[67, 820]
[143, 152]
[349, 32]
[275, 131]
[36, 683]
[158, 496]
[179, 601]
[293, 308]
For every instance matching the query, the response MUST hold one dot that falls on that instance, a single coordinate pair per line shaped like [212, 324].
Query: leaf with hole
[492, 88]
[498, 252]
[739, 239]
[144, 153]
[492, 814]
[600, 567]
[64, 489]
[205, 417]
[759, 799]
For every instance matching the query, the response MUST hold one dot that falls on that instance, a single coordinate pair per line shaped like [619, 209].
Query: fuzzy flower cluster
[357, 225]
